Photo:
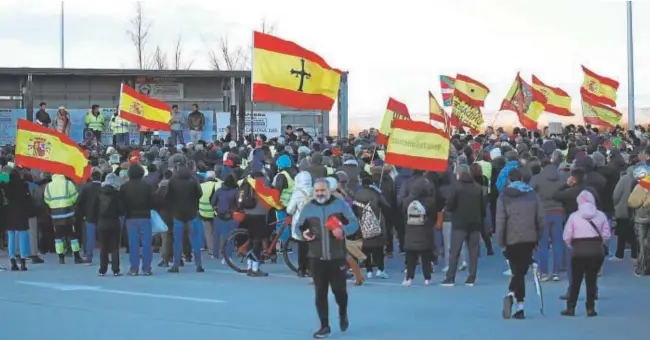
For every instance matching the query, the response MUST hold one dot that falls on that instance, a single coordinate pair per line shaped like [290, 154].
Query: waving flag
[447, 89]
[285, 73]
[395, 110]
[144, 110]
[598, 114]
[417, 145]
[269, 197]
[38, 147]
[436, 113]
[557, 100]
[526, 101]
[469, 96]
[599, 88]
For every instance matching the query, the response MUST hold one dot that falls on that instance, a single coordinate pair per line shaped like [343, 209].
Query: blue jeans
[89, 245]
[220, 231]
[553, 232]
[139, 229]
[196, 239]
[23, 239]
[282, 216]
[177, 137]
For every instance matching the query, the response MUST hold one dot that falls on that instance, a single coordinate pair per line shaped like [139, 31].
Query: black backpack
[246, 196]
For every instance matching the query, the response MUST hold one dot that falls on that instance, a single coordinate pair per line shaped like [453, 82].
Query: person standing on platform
[62, 122]
[42, 117]
[196, 123]
[95, 122]
[119, 129]
[177, 125]
[324, 222]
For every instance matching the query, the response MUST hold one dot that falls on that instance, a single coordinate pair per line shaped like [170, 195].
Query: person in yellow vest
[283, 182]
[61, 197]
[206, 213]
[120, 130]
[95, 122]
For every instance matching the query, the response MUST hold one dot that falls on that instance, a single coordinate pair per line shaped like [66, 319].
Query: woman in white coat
[301, 193]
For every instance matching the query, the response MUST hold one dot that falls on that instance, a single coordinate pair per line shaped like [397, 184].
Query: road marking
[295, 277]
[68, 288]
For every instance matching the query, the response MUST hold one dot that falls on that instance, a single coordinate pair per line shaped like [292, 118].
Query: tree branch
[139, 33]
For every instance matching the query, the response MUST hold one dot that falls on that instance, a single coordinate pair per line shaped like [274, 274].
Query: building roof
[121, 72]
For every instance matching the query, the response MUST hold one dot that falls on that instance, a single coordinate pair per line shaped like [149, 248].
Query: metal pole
[62, 34]
[342, 116]
[630, 69]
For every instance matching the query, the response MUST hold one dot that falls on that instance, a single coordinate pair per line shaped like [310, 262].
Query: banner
[266, 123]
[8, 120]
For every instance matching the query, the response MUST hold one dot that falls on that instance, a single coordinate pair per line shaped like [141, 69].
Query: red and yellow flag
[473, 91]
[269, 197]
[557, 100]
[645, 183]
[436, 113]
[599, 88]
[395, 110]
[287, 74]
[417, 145]
[526, 101]
[144, 110]
[596, 113]
[38, 147]
[469, 96]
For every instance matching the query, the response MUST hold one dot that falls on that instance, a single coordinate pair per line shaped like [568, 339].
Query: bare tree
[178, 56]
[226, 57]
[139, 34]
[266, 26]
[159, 59]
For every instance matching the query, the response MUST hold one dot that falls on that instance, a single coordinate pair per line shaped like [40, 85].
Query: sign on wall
[163, 91]
[266, 123]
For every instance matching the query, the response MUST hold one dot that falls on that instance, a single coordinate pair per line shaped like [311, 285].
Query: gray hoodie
[546, 183]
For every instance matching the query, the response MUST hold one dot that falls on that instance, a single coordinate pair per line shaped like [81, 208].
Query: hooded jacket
[621, 195]
[578, 227]
[466, 203]
[316, 167]
[502, 180]
[137, 195]
[183, 194]
[546, 183]
[351, 169]
[88, 195]
[520, 215]
[302, 191]
[108, 196]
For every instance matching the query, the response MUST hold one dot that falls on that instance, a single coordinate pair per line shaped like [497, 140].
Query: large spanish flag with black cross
[287, 74]
[38, 147]
[598, 114]
[599, 88]
[417, 145]
[395, 110]
[557, 100]
[143, 110]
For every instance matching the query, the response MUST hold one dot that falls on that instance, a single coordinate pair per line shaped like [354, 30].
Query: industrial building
[25, 88]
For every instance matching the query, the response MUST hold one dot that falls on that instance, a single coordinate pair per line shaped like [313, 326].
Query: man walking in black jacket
[87, 196]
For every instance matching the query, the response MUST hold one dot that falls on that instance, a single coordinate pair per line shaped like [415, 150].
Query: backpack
[223, 210]
[369, 224]
[247, 196]
[415, 213]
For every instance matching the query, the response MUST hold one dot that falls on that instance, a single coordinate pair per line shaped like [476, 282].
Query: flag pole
[630, 69]
[62, 42]
[252, 82]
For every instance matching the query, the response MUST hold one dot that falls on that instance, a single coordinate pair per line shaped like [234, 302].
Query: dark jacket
[183, 195]
[313, 218]
[43, 117]
[153, 178]
[87, 196]
[546, 184]
[568, 195]
[161, 205]
[421, 189]
[387, 185]
[316, 168]
[137, 195]
[466, 204]
[520, 215]
[611, 173]
[19, 204]
[379, 206]
[418, 237]
[224, 202]
[108, 197]
[352, 170]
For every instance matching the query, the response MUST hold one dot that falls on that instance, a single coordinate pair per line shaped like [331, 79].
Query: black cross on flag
[302, 74]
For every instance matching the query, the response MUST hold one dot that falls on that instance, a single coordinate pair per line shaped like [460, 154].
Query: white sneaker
[508, 272]
[369, 275]
[615, 259]
[382, 274]
[463, 266]
[446, 269]
[407, 283]
[223, 261]
[427, 282]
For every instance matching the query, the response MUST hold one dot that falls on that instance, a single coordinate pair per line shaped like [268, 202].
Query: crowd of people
[550, 198]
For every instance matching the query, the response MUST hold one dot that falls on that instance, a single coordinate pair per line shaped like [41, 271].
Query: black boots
[571, 311]
[14, 265]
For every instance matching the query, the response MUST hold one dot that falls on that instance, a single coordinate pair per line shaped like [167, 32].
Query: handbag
[589, 247]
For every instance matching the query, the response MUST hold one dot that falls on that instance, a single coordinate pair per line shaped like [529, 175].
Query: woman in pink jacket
[585, 232]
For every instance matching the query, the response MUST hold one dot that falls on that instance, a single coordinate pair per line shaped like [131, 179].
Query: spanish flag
[38, 147]
[599, 88]
[645, 183]
[557, 100]
[395, 110]
[436, 113]
[287, 74]
[474, 91]
[417, 145]
[144, 110]
[596, 113]
[469, 96]
[269, 197]
[526, 101]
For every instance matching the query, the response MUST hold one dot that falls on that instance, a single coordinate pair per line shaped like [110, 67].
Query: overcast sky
[390, 48]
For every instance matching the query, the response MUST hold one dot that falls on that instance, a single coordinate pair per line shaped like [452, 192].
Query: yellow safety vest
[205, 207]
[285, 195]
[119, 125]
[61, 196]
[95, 123]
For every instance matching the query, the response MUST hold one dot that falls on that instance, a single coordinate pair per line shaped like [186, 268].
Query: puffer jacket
[546, 183]
[183, 194]
[640, 201]
[136, 194]
[503, 174]
[621, 194]
[578, 225]
[302, 191]
[520, 215]
[418, 236]
[371, 195]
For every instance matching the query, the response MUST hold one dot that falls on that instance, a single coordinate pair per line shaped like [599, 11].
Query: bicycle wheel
[237, 243]
[290, 254]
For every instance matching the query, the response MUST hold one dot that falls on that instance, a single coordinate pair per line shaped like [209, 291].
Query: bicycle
[240, 242]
